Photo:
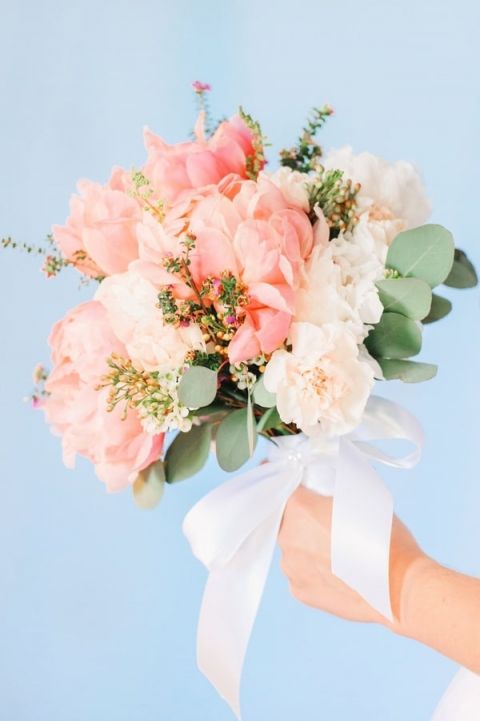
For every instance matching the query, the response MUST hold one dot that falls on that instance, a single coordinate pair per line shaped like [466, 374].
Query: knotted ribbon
[233, 530]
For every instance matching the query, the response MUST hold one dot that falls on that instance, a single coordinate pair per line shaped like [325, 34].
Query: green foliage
[425, 252]
[232, 440]
[407, 371]
[188, 453]
[212, 413]
[256, 161]
[395, 336]
[197, 387]
[305, 154]
[269, 420]
[440, 308]
[53, 262]
[208, 360]
[261, 396]
[463, 273]
[336, 197]
[149, 486]
[410, 297]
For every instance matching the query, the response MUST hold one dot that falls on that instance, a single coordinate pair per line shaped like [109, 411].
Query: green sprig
[305, 154]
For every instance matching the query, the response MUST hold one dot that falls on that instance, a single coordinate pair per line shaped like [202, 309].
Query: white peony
[323, 384]
[131, 304]
[293, 186]
[392, 196]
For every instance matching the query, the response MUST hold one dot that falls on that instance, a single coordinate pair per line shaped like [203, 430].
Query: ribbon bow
[233, 530]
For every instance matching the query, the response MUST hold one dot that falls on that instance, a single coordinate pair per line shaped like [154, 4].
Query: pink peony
[175, 170]
[251, 230]
[119, 449]
[100, 236]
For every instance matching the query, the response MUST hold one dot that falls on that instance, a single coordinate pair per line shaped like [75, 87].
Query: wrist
[409, 580]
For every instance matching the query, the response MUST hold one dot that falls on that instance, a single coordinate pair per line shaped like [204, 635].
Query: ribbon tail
[361, 529]
[461, 701]
[229, 607]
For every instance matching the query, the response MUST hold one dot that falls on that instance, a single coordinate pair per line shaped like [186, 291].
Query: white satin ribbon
[461, 701]
[233, 530]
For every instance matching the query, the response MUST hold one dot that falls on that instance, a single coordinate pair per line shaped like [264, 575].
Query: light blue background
[99, 601]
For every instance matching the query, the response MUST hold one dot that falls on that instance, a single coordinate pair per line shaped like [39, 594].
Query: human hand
[305, 542]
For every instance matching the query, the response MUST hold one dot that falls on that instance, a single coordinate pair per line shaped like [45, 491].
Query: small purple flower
[200, 87]
[231, 320]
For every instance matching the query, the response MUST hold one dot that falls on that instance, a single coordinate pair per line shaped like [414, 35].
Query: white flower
[293, 186]
[131, 303]
[391, 195]
[162, 411]
[323, 384]
[360, 269]
[340, 285]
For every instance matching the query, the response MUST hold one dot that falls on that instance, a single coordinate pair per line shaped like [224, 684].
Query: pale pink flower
[175, 170]
[132, 309]
[100, 235]
[119, 449]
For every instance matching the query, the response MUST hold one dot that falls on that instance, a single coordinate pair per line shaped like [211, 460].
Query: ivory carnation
[293, 186]
[323, 384]
[392, 196]
[119, 449]
[340, 284]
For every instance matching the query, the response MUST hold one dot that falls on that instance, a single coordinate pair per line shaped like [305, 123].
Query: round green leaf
[149, 486]
[411, 297]
[261, 396]
[440, 308]
[463, 273]
[425, 252]
[407, 371]
[232, 441]
[188, 453]
[198, 387]
[394, 337]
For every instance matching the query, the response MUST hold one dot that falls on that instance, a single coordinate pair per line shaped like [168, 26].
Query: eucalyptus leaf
[149, 486]
[425, 252]
[211, 413]
[261, 396]
[198, 387]
[251, 428]
[463, 273]
[407, 371]
[188, 453]
[232, 441]
[270, 419]
[394, 337]
[411, 297]
[440, 308]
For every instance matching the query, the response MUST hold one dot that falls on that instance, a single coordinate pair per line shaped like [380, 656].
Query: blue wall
[98, 601]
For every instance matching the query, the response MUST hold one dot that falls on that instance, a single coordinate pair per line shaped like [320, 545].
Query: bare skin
[431, 604]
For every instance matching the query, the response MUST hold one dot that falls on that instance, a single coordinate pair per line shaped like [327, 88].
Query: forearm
[441, 608]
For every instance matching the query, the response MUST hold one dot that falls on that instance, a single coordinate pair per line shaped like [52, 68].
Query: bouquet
[232, 301]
